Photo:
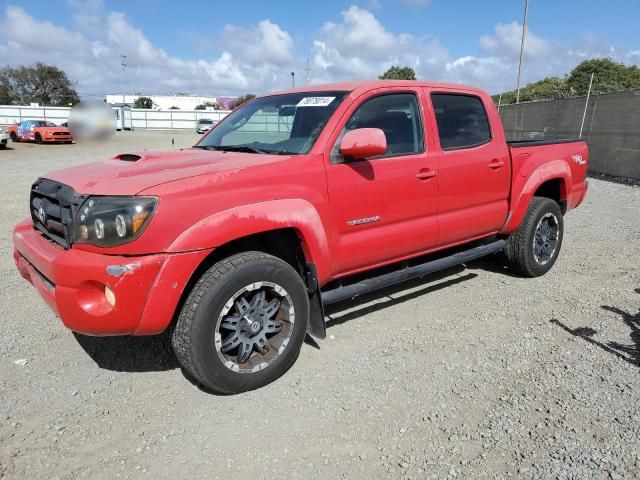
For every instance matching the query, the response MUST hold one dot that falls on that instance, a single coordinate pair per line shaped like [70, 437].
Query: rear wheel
[243, 324]
[534, 247]
[38, 138]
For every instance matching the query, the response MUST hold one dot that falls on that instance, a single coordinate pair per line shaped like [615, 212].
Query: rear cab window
[461, 119]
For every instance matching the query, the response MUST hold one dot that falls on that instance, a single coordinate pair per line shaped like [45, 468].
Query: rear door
[474, 168]
[382, 208]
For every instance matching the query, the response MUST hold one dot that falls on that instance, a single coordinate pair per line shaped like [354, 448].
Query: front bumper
[147, 288]
[57, 138]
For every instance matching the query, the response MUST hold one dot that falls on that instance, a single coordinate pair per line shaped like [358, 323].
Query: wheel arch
[292, 220]
[290, 232]
[550, 180]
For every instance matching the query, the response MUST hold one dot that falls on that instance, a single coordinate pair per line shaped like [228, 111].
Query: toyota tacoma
[296, 200]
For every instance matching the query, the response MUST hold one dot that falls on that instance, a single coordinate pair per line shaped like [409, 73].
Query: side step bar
[388, 279]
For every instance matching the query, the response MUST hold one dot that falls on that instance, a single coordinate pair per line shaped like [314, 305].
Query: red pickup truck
[292, 202]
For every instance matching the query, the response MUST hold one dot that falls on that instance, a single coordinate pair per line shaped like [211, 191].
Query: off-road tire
[519, 251]
[194, 332]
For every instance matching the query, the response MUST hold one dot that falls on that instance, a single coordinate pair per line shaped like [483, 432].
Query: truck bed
[536, 143]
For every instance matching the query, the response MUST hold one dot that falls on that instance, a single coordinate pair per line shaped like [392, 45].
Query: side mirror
[363, 143]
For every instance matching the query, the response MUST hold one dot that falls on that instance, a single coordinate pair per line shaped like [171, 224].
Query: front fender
[523, 189]
[238, 222]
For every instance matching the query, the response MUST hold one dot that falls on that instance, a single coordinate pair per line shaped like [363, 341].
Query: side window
[397, 115]
[462, 121]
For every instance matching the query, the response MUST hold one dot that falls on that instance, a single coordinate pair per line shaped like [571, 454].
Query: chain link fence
[611, 128]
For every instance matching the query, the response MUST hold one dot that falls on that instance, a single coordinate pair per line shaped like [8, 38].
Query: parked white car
[4, 138]
[204, 125]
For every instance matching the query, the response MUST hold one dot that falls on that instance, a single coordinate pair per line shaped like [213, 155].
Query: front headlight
[112, 221]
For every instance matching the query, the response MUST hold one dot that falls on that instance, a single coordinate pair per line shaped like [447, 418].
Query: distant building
[164, 102]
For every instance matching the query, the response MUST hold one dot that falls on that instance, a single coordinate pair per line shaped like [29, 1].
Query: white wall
[12, 114]
[158, 119]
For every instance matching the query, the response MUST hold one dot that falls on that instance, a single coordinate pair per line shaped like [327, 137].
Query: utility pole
[293, 79]
[123, 63]
[307, 70]
[586, 104]
[524, 33]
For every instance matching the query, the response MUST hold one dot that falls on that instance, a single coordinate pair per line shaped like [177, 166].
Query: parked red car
[39, 131]
[292, 202]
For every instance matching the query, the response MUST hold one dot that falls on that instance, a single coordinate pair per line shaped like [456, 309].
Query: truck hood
[131, 173]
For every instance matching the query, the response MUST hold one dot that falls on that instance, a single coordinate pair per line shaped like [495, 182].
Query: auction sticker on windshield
[315, 101]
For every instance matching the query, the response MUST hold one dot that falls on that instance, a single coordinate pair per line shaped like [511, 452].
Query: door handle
[496, 164]
[426, 174]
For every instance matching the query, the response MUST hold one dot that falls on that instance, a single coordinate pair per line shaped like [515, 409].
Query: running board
[388, 279]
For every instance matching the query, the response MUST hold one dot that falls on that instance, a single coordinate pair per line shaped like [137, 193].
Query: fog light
[110, 296]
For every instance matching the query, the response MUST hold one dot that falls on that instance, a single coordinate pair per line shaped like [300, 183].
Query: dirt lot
[473, 373]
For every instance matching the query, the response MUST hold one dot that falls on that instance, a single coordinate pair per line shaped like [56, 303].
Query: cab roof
[366, 85]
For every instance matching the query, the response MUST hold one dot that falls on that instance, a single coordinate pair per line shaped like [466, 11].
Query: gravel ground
[473, 373]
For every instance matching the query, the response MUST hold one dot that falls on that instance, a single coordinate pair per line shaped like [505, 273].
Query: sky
[229, 48]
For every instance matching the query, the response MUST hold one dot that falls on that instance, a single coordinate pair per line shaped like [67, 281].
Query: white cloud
[506, 41]
[258, 58]
[360, 32]
[361, 47]
[25, 33]
[266, 42]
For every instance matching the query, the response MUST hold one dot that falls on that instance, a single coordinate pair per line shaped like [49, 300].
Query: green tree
[205, 105]
[5, 91]
[241, 99]
[548, 88]
[143, 102]
[40, 83]
[398, 73]
[609, 76]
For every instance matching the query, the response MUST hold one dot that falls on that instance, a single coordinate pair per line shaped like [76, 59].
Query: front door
[383, 208]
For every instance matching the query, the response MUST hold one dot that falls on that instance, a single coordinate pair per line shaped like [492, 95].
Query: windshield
[44, 124]
[281, 124]
[204, 120]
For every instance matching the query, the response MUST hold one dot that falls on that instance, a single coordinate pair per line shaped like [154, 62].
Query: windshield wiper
[231, 148]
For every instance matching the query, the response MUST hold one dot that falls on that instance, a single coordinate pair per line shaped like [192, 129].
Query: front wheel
[14, 137]
[243, 323]
[534, 247]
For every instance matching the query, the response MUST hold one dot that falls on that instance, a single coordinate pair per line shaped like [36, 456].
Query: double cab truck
[39, 131]
[296, 200]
